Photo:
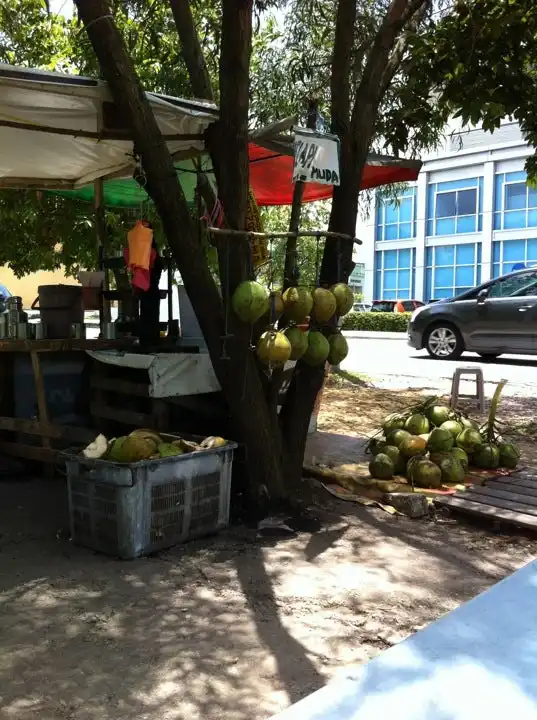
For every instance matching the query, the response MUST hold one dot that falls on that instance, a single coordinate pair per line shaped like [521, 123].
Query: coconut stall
[144, 367]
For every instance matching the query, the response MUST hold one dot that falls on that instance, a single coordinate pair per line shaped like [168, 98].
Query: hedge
[376, 321]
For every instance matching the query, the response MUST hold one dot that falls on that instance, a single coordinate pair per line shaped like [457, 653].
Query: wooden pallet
[510, 499]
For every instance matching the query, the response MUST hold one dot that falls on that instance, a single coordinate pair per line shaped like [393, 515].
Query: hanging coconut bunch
[273, 349]
[297, 304]
[432, 445]
[324, 306]
[344, 298]
[250, 301]
[299, 341]
[318, 349]
[339, 349]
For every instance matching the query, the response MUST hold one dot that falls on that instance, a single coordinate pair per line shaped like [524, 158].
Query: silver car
[497, 317]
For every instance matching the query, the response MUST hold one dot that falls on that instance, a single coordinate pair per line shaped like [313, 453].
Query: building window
[394, 274]
[509, 255]
[455, 207]
[397, 220]
[515, 202]
[452, 269]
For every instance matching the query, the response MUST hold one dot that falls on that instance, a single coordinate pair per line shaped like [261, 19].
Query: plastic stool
[477, 374]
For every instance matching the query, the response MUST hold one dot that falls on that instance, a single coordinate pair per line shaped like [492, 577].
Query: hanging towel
[140, 277]
[139, 239]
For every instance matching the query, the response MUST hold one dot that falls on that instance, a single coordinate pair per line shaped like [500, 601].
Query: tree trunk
[238, 375]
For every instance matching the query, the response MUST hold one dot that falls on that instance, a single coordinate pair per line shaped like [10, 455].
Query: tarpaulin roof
[62, 132]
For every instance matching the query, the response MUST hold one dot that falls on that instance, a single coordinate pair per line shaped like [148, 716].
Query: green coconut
[417, 424]
[393, 422]
[438, 414]
[426, 474]
[396, 437]
[487, 456]
[410, 465]
[324, 305]
[381, 467]
[509, 455]
[452, 470]
[297, 303]
[399, 462]
[148, 434]
[437, 457]
[461, 456]
[169, 450]
[377, 445]
[250, 301]
[318, 349]
[467, 423]
[338, 349]
[454, 427]
[134, 449]
[114, 449]
[413, 446]
[298, 340]
[273, 349]
[344, 298]
[440, 440]
[469, 440]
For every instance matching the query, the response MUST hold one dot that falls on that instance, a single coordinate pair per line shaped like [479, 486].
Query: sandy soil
[233, 627]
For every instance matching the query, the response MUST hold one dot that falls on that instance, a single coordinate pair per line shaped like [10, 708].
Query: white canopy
[64, 131]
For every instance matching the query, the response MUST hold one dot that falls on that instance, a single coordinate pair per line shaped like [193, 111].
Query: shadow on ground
[226, 628]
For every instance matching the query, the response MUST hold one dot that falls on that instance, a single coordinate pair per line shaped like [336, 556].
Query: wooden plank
[523, 481]
[56, 432]
[64, 345]
[500, 503]
[494, 513]
[28, 452]
[120, 386]
[127, 417]
[522, 489]
[486, 491]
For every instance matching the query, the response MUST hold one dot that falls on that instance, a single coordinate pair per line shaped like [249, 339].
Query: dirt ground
[229, 628]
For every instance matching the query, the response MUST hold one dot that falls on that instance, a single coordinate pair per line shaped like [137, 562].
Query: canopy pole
[291, 273]
[100, 225]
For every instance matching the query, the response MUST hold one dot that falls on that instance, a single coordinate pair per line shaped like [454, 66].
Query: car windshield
[383, 306]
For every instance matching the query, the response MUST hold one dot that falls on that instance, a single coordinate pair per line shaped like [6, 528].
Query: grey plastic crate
[135, 509]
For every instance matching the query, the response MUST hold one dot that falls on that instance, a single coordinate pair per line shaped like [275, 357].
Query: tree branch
[191, 50]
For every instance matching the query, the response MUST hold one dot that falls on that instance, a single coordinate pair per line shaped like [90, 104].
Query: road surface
[393, 359]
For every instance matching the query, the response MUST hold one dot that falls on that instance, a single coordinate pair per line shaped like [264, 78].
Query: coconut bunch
[299, 309]
[431, 445]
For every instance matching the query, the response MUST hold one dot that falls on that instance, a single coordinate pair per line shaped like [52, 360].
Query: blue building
[469, 217]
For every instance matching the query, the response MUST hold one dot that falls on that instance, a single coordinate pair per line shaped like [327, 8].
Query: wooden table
[42, 427]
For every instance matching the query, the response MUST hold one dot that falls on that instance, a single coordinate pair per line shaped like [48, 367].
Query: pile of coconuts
[286, 337]
[432, 445]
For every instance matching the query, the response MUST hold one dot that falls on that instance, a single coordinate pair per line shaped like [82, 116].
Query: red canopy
[271, 176]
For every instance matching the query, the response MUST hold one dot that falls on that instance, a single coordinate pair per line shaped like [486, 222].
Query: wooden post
[290, 274]
[100, 224]
[42, 408]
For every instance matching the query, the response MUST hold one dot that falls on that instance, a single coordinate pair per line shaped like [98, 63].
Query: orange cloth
[140, 277]
[140, 239]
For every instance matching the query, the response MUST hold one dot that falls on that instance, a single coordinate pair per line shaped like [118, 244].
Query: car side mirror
[482, 296]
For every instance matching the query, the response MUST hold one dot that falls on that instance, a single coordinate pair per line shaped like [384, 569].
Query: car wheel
[489, 357]
[444, 342]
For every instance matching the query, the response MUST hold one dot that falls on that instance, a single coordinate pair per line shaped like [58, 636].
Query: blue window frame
[451, 269]
[394, 274]
[455, 207]
[509, 255]
[515, 202]
[397, 220]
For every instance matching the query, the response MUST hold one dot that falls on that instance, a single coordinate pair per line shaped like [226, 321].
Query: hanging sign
[316, 157]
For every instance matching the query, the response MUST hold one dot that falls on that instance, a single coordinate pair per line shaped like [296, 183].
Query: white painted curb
[355, 334]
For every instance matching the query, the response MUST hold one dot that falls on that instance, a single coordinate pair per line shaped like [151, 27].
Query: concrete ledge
[372, 335]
